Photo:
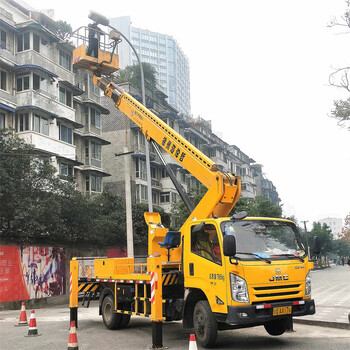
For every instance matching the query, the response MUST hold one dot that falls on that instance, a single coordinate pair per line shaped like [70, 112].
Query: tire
[110, 318]
[276, 327]
[205, 324]
[124, 321]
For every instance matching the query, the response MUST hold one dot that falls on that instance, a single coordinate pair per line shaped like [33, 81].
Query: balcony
[33, 57]
[45, 101]
[49, 145]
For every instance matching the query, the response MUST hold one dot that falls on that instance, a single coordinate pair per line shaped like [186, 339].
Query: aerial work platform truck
[218, 271]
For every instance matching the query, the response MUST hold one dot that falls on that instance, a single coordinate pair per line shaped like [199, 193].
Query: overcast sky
[259, 71]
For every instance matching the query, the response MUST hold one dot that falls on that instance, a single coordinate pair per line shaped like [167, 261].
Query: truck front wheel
[205, 324]
[276, 327]
[110, 318]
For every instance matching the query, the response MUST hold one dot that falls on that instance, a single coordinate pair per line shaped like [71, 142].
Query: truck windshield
[267, 239]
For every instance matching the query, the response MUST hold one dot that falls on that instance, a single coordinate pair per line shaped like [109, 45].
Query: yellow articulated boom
[216, 272]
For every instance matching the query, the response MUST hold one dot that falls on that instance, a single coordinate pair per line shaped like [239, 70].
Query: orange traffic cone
[73, 340]
[22, 316]
[193, 343]
[33, 330]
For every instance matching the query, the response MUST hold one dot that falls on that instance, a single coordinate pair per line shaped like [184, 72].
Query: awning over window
[8, 26]
[98, 106]
[36, 108]
[33, 66]
[7, 108]
[75, 90]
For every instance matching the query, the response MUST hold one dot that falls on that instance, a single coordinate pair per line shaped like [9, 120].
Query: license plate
[282, 310]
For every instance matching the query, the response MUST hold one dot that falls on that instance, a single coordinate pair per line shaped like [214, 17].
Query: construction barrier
[193, 343]
[33, 330]
[73, 339]
[22, 317]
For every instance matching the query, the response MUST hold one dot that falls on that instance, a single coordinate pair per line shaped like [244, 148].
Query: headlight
[239, 289]
[308, 285]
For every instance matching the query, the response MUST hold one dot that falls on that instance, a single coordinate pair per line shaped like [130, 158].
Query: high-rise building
[335, 224]
[165, 55]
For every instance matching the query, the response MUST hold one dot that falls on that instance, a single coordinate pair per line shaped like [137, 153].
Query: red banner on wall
[31, 272]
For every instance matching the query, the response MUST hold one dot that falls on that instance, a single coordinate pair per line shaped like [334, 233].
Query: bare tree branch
[340, 78]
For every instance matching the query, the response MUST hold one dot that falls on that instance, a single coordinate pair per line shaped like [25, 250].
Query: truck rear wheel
[205, 324]
[110, 318]
[276, 327]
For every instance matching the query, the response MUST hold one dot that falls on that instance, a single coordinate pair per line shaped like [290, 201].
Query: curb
[323, 323]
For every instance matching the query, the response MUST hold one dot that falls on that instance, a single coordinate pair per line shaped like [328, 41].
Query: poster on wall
[31, 272]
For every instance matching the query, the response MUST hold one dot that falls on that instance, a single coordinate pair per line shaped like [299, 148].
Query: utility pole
[307, 238]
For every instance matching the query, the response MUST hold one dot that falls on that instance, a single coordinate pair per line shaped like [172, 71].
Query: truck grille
[289, 290]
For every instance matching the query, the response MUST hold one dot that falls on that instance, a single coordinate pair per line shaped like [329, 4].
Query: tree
[140, 228]
[64, 29]
[132, 74]
[258, 206]
[344, 20]
[108, 226]
[325, 235]
[31, 194]
[341, 111]
[341, 76]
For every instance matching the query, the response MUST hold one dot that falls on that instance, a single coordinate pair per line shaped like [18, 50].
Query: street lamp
[103, 20]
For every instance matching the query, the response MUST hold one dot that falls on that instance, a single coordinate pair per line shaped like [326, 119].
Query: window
[23, 42]
[41, 124]
[65, 60]
[65, 97]
[144, 192]
[164, 173]
[205, 243]
[154, 198]
[23, 83]
[2, 120]
[142, 139]
[93, 88]
[3, 80]
[95, 117]
[3, 37]
[87, 149]
[183, 177]
[154, 173]
[96, 150]
[141, 169]
[66, 169]
[86, 112]
[65, 134]
[36, 43]
[96, 183]
[87, 183]
[174, 197]
[165, 197]
[22, 122]
[36, 82]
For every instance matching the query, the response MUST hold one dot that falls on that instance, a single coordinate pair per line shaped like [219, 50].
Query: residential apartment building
[165, 55]
[42, 98]
[264, 187]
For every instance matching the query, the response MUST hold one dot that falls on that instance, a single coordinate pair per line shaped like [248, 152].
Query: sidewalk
[331, 292]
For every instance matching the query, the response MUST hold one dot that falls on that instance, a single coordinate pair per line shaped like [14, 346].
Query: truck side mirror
[317, 245]
[229, 245]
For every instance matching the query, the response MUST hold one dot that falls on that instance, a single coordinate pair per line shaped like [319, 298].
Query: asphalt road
[53, 325]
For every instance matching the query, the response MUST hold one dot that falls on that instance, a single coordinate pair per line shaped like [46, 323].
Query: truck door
[204, 265]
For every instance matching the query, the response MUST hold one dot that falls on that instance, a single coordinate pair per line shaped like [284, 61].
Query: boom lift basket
[107, 60]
